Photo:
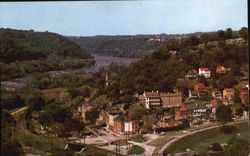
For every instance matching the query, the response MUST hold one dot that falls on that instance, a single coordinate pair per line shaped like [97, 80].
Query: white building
[152, 99]
[205, 71]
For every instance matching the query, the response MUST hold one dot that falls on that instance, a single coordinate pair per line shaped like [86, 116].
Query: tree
[91, 116]
[221, 34]
[35, 102]
[244, 33]
[185, 123]
[229, 33]
[202, 79]
[224, 114]
[136, 113]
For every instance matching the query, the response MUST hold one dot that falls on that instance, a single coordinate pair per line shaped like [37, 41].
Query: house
[199, 87]
[172, 52]
[141, 99]
[183, 112]
[82, 109]
[167, 122]
[228, 93]
[221, 70]
[153, 99]
[216, 102]
[205, 71]
[119, 124]
[244, 94]
[192, 74]
[131, 127]
[193, 94]
[216, 93]
[171, 99]
[199, 111]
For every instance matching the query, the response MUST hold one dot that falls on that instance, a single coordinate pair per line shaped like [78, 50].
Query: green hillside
[24, 52]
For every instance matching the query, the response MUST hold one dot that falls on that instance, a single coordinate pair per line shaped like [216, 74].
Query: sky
[89, 18]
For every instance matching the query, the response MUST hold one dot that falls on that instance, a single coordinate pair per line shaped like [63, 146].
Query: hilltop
[24, 52]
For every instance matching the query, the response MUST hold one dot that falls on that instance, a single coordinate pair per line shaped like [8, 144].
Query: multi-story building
[159, 100]
[153, 99]
[205, 71]
[244, 94]
[118, 123]
[171, 99]
[216, 93]
[199, 87]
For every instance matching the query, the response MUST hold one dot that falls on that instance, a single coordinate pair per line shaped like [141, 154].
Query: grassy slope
[201, 141]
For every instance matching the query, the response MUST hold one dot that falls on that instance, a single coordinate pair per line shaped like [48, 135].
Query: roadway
[160, 150]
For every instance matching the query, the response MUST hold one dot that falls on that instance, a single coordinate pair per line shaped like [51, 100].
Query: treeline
[134, 45]
[118, 46]
[160, 71]
[24, 52]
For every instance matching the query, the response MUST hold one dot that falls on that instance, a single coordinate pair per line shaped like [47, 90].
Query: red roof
[183, 108]
[194, 71]
[206, 69]
[223, 100]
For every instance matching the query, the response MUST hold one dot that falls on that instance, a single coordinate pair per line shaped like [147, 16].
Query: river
[100, 63]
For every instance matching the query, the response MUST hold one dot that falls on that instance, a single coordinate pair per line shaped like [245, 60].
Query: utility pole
[119, 147]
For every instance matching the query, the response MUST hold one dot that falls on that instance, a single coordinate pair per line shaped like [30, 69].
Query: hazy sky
[124, 17]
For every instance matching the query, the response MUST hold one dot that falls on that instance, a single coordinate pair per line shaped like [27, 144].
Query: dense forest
[24, 52]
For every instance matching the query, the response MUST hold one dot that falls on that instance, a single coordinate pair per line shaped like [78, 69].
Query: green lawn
[138, 138]
[136, 150]
[36, 145]
[201, 141]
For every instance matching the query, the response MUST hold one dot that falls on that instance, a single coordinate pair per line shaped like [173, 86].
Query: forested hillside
[129, 45]
[24, 52]
[161, 70]
[123, 46]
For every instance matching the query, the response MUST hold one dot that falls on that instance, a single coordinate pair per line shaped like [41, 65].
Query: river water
[100, 63]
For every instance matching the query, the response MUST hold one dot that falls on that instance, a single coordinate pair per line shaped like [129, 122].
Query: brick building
[171, 99]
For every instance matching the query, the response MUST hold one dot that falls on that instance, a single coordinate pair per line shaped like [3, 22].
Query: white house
[205, 71]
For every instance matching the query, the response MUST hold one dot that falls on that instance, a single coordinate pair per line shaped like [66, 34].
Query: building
[244, 94]
[199, 111]
[119, 124]
[228, 94]
[216, 102]
[193, 94]
[216, 94]
[183, 112]
[172, 52]
[152, 99]
[192, 74]
[82, 109]
[199, 87]
[107, 81]
[221, 70]
[171, 99]
[205, 71]
[158, 100]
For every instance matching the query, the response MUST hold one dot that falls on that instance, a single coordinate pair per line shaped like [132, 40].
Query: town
[108, 79]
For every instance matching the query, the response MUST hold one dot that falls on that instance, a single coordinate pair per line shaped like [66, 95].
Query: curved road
[161, 149]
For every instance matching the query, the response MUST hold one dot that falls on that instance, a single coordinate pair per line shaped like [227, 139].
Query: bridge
[110, 60]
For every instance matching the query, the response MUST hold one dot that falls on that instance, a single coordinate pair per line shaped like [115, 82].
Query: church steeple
[106, 79]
